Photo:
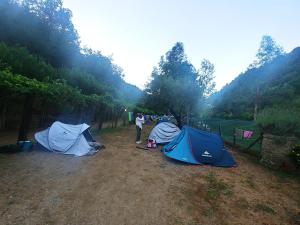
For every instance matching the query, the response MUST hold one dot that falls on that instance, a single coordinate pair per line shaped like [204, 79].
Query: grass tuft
[264, 208]
[216, 188]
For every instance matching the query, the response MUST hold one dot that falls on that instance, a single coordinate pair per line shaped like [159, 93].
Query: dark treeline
[44, 72]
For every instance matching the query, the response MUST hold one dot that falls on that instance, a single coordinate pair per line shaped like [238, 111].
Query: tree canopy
[45, 71]
[177, 87]
[274, 84]
[268, 51]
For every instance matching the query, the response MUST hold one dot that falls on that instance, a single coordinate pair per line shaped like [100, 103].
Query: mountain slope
[275, 84]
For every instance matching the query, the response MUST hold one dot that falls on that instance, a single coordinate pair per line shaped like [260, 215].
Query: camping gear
[247, 134]
[151, 144]
[25, 146]
[199, 147]
[164, 132]
[163, 119]
[130, 116]
[68, 139]
[243, 134]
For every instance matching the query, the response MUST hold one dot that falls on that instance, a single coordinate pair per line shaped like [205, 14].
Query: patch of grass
[264, 208]
[293, 215]
[216, 188]
[242, 203]
[209, 212]
[250, 182]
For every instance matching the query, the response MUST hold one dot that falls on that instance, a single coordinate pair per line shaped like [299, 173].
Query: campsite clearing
[125, 185]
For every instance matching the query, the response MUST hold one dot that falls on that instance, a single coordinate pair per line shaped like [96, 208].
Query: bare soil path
[125, 185]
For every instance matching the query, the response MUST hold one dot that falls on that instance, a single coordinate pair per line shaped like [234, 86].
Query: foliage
[44, 71]
[264, 208]
[274, 84]
[176, 86]
[295, 155]
[50, 50]
[57, 94]
[206, 76]
[19, 61]
[216, 188]
[44, 27]
[141, 109]
[268, 51]
[282, 122]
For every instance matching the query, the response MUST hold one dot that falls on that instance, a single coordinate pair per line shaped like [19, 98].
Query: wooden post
[256, 104]
[26, 118]
[234, 137]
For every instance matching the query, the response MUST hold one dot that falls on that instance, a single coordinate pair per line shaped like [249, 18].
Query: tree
[206, 78]
[267, 51]
[177, 87]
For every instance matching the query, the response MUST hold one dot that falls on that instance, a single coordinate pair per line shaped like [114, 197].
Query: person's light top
[139, 122]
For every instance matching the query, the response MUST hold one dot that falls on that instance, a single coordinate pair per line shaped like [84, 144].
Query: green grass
[242, 203]
[264, 208]
[216, 188]
[227, 130]
[250, 182]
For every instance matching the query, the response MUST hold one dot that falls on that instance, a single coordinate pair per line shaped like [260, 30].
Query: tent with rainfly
[164, 132]
[199, 147]
[67, 139]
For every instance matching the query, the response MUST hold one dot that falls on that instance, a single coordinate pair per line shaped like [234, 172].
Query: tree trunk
[177, 117]
[43, 115]
[187, 116]
[124, 118]
[101, 118]
[256, 103]
[26, 118]
[112, 118]
[118, 116]
[3, 116]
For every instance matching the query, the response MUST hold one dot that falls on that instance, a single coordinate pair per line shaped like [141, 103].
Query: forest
[46, 75]
[267, 92]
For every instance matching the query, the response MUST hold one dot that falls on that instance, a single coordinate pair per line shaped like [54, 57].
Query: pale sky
[226, 32]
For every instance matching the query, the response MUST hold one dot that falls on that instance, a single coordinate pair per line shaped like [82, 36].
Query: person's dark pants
[138, 133]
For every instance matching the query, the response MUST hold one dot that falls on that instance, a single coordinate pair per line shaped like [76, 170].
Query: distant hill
[276, 83]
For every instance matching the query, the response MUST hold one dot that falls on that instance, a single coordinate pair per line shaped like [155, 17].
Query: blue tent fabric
[199, 147]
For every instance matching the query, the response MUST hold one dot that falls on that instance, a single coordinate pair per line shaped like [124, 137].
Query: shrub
[295, 155]
[282, 122]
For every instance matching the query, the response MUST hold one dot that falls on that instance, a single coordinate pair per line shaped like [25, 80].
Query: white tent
[164, 132]
[65, 138]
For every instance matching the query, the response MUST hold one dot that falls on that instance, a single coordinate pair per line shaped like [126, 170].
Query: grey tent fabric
[164, 132]
[65, 138]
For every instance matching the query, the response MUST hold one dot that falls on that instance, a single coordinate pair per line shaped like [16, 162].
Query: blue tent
[199, 147]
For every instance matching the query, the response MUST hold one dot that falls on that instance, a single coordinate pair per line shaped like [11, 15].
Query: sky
[136, 33]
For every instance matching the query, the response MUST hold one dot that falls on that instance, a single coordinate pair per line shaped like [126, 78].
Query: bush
[295, 155]
[282, 122]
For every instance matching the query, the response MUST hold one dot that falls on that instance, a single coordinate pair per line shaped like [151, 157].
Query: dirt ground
[125, 185]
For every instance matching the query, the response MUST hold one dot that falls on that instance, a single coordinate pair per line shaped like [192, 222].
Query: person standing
[139, 120]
